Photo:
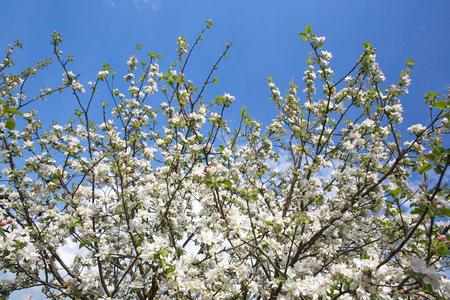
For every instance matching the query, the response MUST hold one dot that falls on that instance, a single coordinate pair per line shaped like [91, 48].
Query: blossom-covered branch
[165, 201]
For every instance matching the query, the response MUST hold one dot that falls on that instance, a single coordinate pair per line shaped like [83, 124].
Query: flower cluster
[170, 203]
[102, 75]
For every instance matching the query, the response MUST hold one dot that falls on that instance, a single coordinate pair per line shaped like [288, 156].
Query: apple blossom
[170, 203]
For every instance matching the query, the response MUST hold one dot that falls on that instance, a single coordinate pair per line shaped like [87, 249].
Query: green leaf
[170, 272]
[10, 124]
[308, 29]
[396, 191]
[164, 252]
[13, 111]
[430, 157]
[442, 249]
[431, 96]
[208, 182]
[82, 244]
[227, 183]
[107, 67]
[442, 105]
[446, 212]
[437, 151]
[426, 167]
[416, 211]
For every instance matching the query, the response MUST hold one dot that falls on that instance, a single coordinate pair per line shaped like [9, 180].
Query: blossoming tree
[169, 203]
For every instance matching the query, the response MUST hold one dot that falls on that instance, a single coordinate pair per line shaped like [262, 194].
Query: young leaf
[442, 105]
[10, 124]
[308, 29]
[426, 167]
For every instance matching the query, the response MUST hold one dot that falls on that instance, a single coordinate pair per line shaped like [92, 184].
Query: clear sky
[266, 42]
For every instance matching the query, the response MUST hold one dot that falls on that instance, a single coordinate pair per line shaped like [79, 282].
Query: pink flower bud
[442, 237]
[3, 223]
[423, 185]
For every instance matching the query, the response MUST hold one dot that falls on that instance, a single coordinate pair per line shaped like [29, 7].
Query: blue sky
[266, 43]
